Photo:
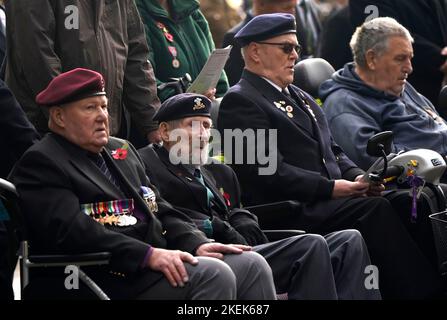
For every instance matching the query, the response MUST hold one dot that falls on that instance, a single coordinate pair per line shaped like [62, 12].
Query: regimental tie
[102, 165]
[198, 176]
[115, 212]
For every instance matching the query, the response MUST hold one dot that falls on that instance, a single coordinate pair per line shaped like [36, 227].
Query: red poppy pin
[120, 153]
[226, 197]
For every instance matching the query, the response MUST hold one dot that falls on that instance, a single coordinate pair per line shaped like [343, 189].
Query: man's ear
[163, 128]
[253, 52]
[57, 116]
[371, 59]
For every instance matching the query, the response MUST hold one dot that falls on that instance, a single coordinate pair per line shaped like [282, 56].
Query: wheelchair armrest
[96, 258]
[271, 214]
[274, 235]
[7, 186]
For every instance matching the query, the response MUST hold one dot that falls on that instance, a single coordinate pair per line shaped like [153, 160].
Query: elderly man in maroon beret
[83, 191]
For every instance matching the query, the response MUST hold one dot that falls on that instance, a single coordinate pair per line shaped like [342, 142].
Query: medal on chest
[281, 105]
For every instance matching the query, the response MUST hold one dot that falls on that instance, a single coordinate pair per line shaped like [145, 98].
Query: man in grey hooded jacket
[372, 95]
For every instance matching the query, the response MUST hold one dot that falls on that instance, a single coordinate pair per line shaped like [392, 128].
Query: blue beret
[71, 86]
[183, 105]
[266, 26]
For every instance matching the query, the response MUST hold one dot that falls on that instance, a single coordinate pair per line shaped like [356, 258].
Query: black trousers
[404, 271]
[311, 266]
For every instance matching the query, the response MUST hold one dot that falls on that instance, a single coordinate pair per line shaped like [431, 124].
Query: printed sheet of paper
[211, 71]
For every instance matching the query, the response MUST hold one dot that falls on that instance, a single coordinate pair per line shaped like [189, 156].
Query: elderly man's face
[86, 123]
[189, 141]
[275, 64]
[391, 69]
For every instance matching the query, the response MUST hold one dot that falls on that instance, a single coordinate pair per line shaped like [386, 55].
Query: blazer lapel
[316, 132]
[121, 170]
[274, 97]
[211, 184]
[80, 161]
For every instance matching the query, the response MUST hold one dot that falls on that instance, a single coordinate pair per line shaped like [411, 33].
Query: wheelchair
[29, 262]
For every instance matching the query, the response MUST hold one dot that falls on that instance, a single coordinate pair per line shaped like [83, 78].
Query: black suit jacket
[335, 37]
[427, 22]
[16, 132]
[308, 159]
[54, 177]
[230, 223]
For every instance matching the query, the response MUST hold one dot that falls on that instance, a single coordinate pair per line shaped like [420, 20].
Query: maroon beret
[71, 86]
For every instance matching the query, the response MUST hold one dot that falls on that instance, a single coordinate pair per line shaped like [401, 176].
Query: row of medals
[172, 49]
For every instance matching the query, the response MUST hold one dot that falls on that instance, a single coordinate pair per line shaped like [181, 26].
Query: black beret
[182, 106]
[71, 86]
[266, 26]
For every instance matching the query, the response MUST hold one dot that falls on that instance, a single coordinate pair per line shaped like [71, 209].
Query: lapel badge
[280, 105]
[226, 197]
[198, 104]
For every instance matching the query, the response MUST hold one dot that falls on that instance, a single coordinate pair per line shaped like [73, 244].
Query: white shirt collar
[273, 84]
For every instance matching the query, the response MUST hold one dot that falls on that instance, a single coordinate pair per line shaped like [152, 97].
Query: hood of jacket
[347, 78]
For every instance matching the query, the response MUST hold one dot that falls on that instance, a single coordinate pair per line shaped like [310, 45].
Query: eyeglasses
[285, 46]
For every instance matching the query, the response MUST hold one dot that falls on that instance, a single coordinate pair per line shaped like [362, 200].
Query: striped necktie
[102, 165]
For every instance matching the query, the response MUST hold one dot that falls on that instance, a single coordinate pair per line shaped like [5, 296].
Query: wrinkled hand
[171, 264]
[216, 250]
[154, 137]
[210, 94]
[375, 188]
[344, 188]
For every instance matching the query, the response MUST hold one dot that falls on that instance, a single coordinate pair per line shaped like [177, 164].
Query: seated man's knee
[217, 275]
[315, 242]
[380, 202]
[256, 262]
[351, 238]
[349, 235]
[381, 208]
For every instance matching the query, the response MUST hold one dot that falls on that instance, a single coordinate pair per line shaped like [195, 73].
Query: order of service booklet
[211, 71]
